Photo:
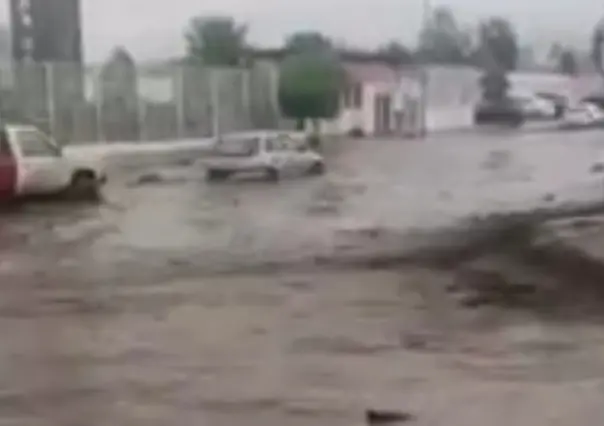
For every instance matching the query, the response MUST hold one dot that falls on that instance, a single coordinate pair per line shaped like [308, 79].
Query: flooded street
[178, 302]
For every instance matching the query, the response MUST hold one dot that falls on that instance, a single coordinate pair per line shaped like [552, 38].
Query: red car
[8, 169]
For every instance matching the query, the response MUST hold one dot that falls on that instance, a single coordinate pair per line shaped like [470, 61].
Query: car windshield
[521, 100]
[237, 146]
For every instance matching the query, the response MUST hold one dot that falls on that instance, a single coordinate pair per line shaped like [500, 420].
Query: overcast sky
[153, 28]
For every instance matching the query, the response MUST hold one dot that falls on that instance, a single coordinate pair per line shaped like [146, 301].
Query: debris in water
[381, 417]
[597, 168]
[149, 178]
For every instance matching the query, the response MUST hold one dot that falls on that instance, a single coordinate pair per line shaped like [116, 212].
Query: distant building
[380, 97]
[46, 30]
[46, 51]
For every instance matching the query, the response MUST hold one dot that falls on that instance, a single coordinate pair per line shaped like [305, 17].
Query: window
[357, 95]
[235, 147]
[353, 97]
[35, 144]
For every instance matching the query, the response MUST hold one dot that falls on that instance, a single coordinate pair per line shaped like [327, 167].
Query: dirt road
[122, 314]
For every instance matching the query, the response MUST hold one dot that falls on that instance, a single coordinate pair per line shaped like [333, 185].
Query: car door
[42, 169]
[277, 153]
[296, 158]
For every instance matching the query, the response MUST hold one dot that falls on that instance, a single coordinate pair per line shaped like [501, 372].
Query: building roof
[373, 72]
[346, 55]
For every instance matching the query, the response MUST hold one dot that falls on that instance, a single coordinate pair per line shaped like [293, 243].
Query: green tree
[567, 62]
[494, 85]
[442, 40]
[497, 54]
[498, 44]
[310, 85]
[307, 41]
[597, 46]
[216, 40]
[396, 52]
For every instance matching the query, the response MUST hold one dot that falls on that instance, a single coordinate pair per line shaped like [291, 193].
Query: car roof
[17, 127]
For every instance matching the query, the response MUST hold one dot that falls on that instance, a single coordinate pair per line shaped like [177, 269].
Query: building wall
[53, 28]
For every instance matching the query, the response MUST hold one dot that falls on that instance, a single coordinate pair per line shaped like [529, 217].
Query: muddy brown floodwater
[181, 303]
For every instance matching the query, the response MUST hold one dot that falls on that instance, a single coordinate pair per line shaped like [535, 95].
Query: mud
[311, 301]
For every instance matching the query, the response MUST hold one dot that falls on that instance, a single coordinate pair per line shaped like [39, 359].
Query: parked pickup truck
[32, 164]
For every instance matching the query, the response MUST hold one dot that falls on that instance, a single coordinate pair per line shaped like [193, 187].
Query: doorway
[382, 114]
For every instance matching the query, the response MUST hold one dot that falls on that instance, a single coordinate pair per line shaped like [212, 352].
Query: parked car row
[518, 108]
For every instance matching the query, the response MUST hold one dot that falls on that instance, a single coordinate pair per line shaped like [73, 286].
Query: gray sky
[153, 28]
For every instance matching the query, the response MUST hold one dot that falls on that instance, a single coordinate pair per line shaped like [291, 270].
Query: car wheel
[317, 168]
[217, 175]
[84, 186]
[272, 174]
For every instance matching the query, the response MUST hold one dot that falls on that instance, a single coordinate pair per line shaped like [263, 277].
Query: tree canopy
[498, 44]
[442, 40]
[597, 47]
[216, 40]
[307, 41]
[567, 62]
[396, 52]
[311, 78]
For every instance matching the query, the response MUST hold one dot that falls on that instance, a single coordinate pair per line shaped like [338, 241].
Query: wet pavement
[116, 314]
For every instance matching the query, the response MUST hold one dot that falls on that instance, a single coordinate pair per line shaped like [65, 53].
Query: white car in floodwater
[583, 115]
[534, 107]
[271, 153]
[31, 163]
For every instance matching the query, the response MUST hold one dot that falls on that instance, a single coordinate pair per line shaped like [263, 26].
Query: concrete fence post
[215, 81]
[246, 98]
[141, 106]
[98, 97]
[179, 104]
[50, 97]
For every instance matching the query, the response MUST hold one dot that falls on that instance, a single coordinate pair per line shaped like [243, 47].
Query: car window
[237, 146]
[283, 143]
[271, 145]
[35, 144]
[275, 144]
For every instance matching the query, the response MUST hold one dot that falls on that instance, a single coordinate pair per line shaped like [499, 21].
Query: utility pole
[423, 130]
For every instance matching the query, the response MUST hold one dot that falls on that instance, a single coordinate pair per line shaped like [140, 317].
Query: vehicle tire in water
[84, 186]
[272, 174]
[317, 169]
[217, 175]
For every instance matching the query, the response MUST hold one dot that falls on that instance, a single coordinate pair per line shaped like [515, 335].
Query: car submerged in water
[584, 115]
[271, 154]
[32, 164]
[515, 110]
[506, 112]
